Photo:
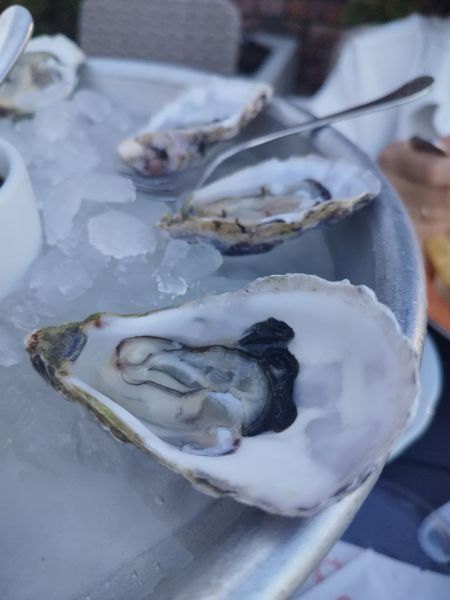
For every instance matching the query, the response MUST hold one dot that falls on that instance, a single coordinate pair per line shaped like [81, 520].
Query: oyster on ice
[46, 73]
[254, 209]
[271, 394]
[202, 115]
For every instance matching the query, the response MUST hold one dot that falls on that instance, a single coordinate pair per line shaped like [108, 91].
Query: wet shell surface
[284, 395]
[46, 73]
[256, 208]
[198, 117]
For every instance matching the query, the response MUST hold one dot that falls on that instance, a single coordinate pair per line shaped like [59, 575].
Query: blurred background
[317, 24]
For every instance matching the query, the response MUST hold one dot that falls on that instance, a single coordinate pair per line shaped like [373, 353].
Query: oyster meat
[182, 130]
[46, 73]
[256, 208]
[271, 395]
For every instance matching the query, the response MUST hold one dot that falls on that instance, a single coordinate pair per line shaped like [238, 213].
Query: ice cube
[119, 234]
[8, 132]
[59, 209]
[73, 156]
[92, 105]
[134, 272]
[185, 263]
[74, 281]
[176, 252]
[169, 282]
[121, 119]
[57, 278]
[92, 260]
[11, 348]
[55, 122]
[103, 187]
[35, 150]
[175, 286]
[76, 241]
[39, 156]
[201, 261]
[21, 311]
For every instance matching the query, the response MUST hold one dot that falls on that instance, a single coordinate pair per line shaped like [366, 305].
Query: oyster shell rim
[231, 237]
[73, 60]
[133, 149]
[123, 431]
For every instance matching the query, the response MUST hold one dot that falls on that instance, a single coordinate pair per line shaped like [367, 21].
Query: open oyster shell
[283, 395]
[46, 73]
[258, 207]
[182, 130]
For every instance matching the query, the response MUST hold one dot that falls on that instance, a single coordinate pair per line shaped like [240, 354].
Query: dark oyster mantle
[218, 393]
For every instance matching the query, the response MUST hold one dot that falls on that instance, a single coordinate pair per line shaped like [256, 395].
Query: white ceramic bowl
[20, 225]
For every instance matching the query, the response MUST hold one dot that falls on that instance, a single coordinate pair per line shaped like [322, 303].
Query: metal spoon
[16, 27]
[191, 179]
[412, 90]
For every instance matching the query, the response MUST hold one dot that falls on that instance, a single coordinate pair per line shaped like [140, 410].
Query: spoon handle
[16, 27]
[412, 90]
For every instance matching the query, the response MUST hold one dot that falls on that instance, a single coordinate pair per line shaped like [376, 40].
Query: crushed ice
[93, 219]
[101, 253]
[120, 235]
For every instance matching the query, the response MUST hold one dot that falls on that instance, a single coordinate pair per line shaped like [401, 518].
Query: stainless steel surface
[263, 557]
[241, 552]
[16, 27]
[193, 179]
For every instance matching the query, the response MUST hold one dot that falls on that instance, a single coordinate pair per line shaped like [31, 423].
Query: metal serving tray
[237, 552]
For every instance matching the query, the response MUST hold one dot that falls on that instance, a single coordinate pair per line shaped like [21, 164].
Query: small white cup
[20, 225]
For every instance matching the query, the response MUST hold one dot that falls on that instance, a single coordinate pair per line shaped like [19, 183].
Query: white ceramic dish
[20, 226]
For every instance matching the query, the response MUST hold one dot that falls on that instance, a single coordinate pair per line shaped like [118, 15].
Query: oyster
[46, 73]
[271, 395]
[256, 208]
[183, 129]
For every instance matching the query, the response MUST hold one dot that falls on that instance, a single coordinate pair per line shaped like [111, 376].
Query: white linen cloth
[374, 60]
[352, 573]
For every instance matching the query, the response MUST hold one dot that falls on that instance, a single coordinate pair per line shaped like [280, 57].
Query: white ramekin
[20, 225]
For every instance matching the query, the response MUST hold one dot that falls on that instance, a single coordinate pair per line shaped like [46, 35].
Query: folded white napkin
[374, 60]
[351, 573]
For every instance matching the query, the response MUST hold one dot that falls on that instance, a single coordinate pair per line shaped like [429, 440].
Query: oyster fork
[190, 180]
